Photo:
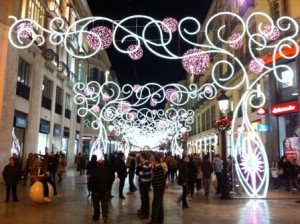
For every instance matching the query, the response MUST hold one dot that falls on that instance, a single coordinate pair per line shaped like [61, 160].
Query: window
[23, 72]
[203, 122]
[36, 12]
[213, 115]
[208, 119]
[58, 96]
[95, 75]
[68, 102]
[47, 88]
[279, 8]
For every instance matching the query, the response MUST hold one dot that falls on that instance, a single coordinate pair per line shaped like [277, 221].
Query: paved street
[74, 207]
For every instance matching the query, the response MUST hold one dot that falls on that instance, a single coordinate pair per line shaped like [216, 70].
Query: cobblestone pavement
[75, 207]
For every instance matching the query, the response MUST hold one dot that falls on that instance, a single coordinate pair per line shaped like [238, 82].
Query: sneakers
[46, 199]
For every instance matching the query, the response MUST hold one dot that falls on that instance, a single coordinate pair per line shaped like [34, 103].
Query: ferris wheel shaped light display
[144, 124]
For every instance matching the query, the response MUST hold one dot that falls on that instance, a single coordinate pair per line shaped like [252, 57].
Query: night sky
[149, 68]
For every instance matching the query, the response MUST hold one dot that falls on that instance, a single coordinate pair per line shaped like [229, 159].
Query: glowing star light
[257, 65]
[25, 30]
[135, 52]
[99, 37]
[236, 41]
[170, 23]
[195, 61]
[271, 32]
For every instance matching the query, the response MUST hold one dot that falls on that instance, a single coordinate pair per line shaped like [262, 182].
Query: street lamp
[223, 106]
[110, 137]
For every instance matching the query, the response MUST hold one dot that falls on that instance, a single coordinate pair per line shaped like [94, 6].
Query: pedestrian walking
[11, 174]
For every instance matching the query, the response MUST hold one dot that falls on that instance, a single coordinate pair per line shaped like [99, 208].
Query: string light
[136, 52]
[169, 24]
[100, 37]
[195, 61]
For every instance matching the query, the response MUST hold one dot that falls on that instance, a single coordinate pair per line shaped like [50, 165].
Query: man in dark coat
[100, 182]
[183, 179]
[207, 169]
[11, 175]
[158, 183]
[122, 174]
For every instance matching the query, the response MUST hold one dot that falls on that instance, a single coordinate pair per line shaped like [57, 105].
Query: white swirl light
[257, 65]
[100, 37]
[236, 41]
[271, 32]
[195, 61]
[135, 52]
[169, 24]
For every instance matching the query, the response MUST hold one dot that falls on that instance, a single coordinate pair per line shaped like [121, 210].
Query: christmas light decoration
[105, 97]
[195, 61]
[135, 52]
[146, 128]
[271, 32]
[25, 30]
[153, 102]
[171, 95]
[256, 65]
[136, 88]
[169, 25]
[236, 41]
[96, 108]
[99, 37]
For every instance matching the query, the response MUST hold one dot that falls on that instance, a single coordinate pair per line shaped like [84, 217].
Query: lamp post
[223, 106]
[110, 137]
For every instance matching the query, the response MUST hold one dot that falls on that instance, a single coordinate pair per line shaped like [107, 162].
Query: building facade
[37, 111]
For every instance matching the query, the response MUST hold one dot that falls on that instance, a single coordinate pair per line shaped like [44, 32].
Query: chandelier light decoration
[142, 124]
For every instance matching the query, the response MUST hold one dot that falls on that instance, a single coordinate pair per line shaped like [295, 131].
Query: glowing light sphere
[153, 102]
[95, 108]
[88, 91]
[208, 90]
[256, 65]
[271, 32]
[154, 112]
[136, 52]
[170, 23]
[25, 30]
[236, 41]
[132, 115]
[171, 95]
[136, 88]
[195, 61]
[105, 97]
[100, 35]
[124, 105]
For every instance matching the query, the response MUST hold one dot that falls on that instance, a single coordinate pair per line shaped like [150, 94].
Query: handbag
[280, 171]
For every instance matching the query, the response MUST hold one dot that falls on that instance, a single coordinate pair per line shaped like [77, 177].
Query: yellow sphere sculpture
[36, 192]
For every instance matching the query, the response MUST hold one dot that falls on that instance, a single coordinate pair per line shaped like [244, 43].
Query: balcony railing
[23, 91]
[46, 102]
[58, 108]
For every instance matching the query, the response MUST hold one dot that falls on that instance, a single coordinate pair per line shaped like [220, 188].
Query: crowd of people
[43, 168]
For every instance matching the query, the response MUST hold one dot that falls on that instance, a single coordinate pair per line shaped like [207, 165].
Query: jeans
[145, 186]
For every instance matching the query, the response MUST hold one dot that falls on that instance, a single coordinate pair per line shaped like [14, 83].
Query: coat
[11, 174]
[101, 180]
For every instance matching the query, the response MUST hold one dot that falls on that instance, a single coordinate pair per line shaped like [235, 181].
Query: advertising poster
[291, 147]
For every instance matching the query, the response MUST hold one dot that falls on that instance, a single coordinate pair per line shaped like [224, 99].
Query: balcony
[52, 56]
[67, 113]
[58, 108]
[23, 91]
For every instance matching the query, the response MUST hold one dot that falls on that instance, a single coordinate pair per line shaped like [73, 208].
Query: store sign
[285, 108]
[20, 122]
[262, 127]
[261, 111]
[44, 128]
